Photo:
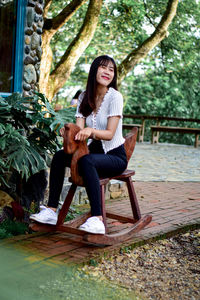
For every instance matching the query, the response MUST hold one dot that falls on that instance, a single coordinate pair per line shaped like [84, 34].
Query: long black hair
[88, 103]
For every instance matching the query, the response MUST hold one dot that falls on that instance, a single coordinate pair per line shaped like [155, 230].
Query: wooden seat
[137, 221]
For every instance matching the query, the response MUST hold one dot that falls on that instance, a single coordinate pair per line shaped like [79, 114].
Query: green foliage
[63, 116]
[119, 31]
[126, 249]
[123, 26]
[72, 213]
[169, 82]
[9, 228]
[93, 262]
[29, 130]
[166, 94]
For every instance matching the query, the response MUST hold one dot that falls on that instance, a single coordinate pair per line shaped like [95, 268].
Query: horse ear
[66, 126]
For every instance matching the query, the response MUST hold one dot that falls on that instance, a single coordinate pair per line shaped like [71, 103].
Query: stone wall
[32, 46]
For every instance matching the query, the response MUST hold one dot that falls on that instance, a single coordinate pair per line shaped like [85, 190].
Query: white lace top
[112, 105]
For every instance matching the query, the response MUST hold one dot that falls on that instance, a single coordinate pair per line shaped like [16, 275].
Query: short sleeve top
[112, 105]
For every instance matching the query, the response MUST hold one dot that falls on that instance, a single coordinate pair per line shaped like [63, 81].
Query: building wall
[32, 46]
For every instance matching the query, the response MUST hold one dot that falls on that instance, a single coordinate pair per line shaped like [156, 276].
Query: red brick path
[173, 205]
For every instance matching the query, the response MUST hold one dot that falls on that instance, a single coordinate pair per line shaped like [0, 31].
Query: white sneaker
[93, 225]
[46, 216]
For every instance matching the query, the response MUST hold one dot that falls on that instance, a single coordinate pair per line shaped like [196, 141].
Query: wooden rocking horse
[78, 149]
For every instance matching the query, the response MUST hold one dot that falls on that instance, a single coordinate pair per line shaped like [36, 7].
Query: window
[12, 14]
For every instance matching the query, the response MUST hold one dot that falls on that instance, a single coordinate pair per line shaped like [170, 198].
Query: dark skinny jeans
[91, 167]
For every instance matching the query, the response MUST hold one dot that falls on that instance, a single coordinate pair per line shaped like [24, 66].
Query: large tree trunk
[50, 83]
[134, 57]
[46, 61]
[51, 26]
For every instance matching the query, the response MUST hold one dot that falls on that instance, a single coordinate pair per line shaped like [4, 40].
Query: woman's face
[105, 74]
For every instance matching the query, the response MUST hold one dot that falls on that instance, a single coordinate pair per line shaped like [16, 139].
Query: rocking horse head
[76, 148]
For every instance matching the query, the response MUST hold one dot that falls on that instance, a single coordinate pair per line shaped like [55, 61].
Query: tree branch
[46, 7]
[146, 14]
[63, 70]
[58, 21]
[158, 35]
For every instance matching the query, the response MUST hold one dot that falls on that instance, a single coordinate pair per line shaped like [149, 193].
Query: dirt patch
[166, 269]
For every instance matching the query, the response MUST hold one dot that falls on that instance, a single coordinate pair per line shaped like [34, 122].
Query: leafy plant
[93, 262]
[72, 213]
[29, 129]
[9, 228]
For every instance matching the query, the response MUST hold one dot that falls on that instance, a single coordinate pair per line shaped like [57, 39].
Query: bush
[29, 129]
[9, 228]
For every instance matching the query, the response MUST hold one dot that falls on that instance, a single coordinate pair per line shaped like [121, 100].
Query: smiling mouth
[105, 77]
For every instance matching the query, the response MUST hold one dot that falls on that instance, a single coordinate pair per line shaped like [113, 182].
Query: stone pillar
[32, 46]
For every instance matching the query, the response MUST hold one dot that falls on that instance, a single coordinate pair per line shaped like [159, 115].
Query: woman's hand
[84, 134]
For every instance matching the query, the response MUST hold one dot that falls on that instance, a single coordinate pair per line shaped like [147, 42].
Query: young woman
[99, 115]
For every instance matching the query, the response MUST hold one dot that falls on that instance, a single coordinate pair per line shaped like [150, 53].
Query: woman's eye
[105, 68]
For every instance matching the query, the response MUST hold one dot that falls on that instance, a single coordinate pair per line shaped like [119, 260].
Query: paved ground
[167, 186]
[166, 162]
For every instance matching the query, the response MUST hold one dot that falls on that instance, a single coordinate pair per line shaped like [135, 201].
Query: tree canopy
[165, 81]
[169, 83]
[96, 26]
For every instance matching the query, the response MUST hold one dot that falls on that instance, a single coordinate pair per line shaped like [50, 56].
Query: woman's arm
[80, 122]
[98, 134]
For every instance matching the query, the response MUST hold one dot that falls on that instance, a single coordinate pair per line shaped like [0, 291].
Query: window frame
[18, 49]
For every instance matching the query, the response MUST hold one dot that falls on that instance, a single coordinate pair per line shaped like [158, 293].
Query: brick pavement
[173, 206]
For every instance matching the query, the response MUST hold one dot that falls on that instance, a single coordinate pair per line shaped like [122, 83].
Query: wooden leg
[196, 143]
[103, 206]
[139, 137]
[152, 136]
[133, 199]
[156, 138]
[141, 134]
[68, 200]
